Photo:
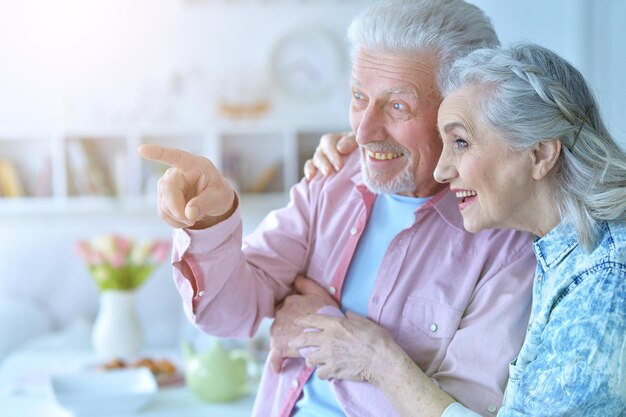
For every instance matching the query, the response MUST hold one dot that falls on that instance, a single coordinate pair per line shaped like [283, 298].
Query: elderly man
[386, 241]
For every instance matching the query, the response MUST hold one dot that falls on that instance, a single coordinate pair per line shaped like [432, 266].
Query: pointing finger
[177, 158]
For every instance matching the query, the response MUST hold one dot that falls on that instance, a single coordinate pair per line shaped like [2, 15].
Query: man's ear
[544, 156]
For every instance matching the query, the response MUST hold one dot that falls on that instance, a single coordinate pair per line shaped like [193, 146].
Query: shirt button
[294, 383]
[433, 327]
[332, 290]
[201, 293]
[492, 408]
[353, 230]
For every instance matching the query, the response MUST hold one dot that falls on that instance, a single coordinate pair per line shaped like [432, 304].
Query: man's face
[394, 114]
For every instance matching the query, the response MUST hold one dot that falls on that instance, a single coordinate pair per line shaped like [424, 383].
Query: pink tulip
[86, 252]
[123, 245]
[82, 248]
[118, 260]
[160, 251]
[141, 252]
[105, 246]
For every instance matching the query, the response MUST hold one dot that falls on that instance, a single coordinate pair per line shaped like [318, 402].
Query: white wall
[113, 59]
[590, 34]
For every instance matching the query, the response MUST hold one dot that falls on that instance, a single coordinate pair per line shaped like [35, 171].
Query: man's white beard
[401, 183]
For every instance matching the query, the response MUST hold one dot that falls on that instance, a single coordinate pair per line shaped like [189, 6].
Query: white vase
[117, 332]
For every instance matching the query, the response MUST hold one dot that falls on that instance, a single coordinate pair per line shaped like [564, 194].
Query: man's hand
[309, 299]
[329, 154]
[192, 193]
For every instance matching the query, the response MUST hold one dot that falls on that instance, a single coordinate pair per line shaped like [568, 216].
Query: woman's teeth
[463, 194]
[383, 155]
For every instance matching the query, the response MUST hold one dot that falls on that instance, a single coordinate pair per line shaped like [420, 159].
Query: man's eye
[398, 106]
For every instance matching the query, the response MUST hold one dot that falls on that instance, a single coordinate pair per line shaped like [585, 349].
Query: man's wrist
[212, 221]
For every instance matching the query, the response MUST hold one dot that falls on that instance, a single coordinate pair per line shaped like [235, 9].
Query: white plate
[115, 391]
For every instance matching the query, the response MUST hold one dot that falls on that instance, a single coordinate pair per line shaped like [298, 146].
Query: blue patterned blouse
[573, 361]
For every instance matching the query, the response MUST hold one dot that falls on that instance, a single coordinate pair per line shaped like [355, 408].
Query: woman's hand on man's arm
[357, 349]
[330, 153]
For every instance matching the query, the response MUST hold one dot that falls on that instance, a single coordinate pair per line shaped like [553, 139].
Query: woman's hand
[352, 348]
[329, 154]
[356, 349]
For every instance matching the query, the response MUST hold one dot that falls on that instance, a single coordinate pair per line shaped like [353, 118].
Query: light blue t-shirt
[390, 215]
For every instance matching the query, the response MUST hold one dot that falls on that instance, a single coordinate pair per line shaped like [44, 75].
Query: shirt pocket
[426, 329]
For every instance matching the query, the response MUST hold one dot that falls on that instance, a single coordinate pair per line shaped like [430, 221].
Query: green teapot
[218, 374]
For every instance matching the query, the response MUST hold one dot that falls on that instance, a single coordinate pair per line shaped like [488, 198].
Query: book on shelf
[10, 181]
[43, 183]
[265, 178]
[88, 176]
[120, 174]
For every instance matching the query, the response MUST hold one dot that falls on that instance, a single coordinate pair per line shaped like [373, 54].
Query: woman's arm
[356, 349]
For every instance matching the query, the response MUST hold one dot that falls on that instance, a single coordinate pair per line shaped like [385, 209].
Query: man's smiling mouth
[383, 156]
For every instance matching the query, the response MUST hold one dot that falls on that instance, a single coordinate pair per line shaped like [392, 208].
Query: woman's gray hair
[448, 28]
[529, 94]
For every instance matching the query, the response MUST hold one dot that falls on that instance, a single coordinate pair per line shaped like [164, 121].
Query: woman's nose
[445, 171]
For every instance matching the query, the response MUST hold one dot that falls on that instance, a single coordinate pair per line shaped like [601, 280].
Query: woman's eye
[357, 95]
[460, 144]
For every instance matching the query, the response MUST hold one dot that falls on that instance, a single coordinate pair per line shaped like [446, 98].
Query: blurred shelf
[83, 169]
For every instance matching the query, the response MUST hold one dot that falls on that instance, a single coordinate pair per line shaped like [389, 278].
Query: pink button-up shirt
[457, 303]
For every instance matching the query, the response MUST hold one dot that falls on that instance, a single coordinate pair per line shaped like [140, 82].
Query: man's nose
[371, 127]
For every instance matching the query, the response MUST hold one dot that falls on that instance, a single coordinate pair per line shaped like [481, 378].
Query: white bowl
[115, 391]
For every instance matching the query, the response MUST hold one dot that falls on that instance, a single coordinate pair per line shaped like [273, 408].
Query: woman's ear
[544, 157]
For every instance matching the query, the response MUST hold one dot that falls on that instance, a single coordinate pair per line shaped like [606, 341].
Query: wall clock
[307, 63]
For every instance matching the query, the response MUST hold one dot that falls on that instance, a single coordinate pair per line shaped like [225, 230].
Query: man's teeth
[462, 194]
[383, 156]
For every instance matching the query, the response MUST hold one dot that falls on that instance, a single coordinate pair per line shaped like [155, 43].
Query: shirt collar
[551, 249]
[444, 203]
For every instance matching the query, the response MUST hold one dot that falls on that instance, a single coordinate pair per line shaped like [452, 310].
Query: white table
[25, 392]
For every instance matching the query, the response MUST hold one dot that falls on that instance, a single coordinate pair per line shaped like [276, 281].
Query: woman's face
[493, 183]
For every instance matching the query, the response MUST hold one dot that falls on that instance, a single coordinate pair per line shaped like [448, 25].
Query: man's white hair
[448, 28]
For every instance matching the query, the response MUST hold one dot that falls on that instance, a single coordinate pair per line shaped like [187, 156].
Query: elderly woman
[524, 148]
